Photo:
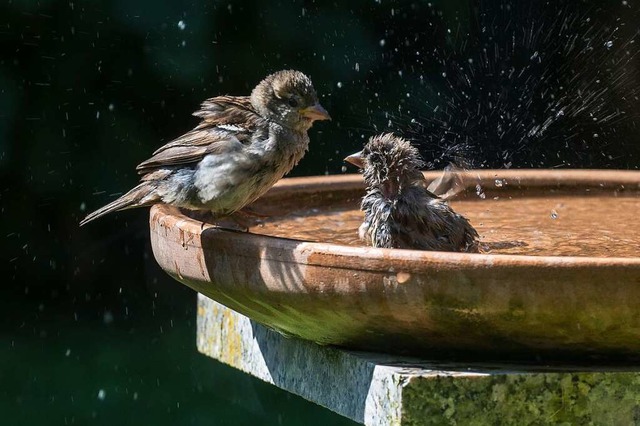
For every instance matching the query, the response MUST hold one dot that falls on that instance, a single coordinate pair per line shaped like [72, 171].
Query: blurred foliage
[90, 88]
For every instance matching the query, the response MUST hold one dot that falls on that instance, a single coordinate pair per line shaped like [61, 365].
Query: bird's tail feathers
[140, 196]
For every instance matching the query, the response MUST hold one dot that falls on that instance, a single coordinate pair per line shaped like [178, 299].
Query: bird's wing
[449, 184]
[226, 110]
[228, 122]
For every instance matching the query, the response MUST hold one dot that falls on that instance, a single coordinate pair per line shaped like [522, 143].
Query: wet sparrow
[242, 146]
[400, 212]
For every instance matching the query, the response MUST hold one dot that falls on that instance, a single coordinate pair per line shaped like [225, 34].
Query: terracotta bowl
[505, 303]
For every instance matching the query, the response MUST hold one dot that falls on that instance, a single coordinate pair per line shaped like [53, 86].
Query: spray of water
[535, 85]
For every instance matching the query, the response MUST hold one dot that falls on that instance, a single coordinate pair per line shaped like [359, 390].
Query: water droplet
[480, 192]
[382, 42]
[339, 85]
[499, 183]
[444, 74]
[357, 67]
[111, 107]
[182, 25]
[102, 394]
[107, 317]
[554, 214]
[344, 169]
[68, 352]
[83, 206]
[609, 44]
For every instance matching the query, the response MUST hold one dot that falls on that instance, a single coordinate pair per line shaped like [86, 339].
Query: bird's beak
[315, 112]
[356, 159]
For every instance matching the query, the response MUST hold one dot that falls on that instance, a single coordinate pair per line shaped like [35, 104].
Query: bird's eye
[293, 102]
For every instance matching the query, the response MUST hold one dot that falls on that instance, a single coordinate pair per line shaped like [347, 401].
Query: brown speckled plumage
[242, 146]
[399, 210]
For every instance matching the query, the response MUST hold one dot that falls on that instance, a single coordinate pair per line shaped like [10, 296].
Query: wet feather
[242, 146]
[400, 212]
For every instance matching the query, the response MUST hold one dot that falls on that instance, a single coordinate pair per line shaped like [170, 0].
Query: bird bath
[559, 277]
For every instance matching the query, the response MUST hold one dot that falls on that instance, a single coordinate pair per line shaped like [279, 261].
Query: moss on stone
[523, 399]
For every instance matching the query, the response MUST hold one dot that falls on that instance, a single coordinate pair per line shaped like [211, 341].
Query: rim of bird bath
[410, 302]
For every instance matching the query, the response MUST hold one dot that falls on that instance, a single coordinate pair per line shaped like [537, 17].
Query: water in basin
[557, 225]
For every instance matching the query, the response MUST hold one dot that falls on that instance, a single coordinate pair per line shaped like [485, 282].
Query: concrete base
[377, 389]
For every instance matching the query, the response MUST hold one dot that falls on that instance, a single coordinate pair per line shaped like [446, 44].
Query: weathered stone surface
[383, 390]
[349, 385]
[524, 399]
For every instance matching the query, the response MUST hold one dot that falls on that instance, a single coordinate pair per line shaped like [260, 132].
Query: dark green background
[88, 89]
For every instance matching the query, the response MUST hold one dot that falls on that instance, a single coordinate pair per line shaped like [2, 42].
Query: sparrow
[242, 146]
[399, 210]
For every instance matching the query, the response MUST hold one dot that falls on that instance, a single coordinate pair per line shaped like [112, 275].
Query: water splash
[534, 84]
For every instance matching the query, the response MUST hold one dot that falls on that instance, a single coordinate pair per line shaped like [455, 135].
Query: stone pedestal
[378, 389]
